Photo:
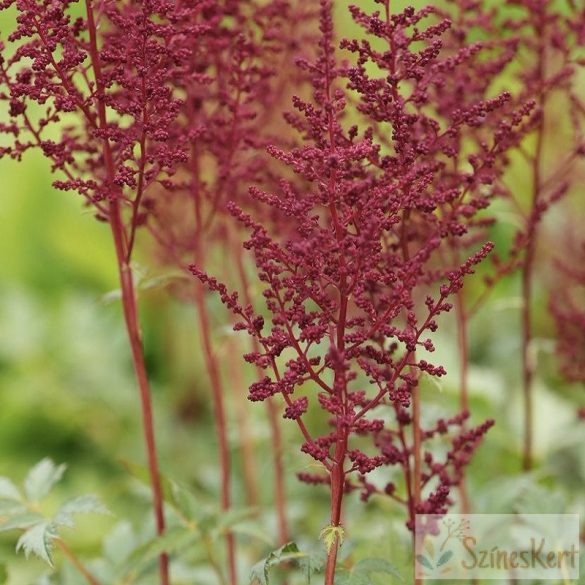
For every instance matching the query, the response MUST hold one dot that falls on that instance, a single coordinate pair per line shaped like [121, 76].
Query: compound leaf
[22, 520]
[8, 491]
[88, 504]
[37, 540]
[41, 479]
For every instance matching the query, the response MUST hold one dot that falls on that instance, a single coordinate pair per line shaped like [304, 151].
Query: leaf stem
[76, 562]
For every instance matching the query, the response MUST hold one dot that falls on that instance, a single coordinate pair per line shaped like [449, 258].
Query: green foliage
[21, 510]
[287, 555]
[361, 573]
[332, 536]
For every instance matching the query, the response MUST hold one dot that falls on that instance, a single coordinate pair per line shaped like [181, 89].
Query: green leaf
[444, 558]
[88, 504]
[37, 541]
[253, 530]
[424, 562]
[360, 573]
[314, 562]
[357, 578]
[8, 491]
[259, 573]
[10, 508]
[20, 521]
[142, 473]
[120, 543]
[173, 540]
[344, 577]
[331, 536]
[41, 479]
[3, 574]
[186, 503]
[286, 553]
[225, 521]
[376, 565]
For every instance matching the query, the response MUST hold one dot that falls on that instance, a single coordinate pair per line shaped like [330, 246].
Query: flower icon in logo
[434, 560]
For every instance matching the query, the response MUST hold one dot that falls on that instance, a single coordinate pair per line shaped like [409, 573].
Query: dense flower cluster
[94, 93]
[117, 145]
[367, 211]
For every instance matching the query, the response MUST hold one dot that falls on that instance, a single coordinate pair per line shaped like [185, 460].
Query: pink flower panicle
[342, 283]
[116, 146]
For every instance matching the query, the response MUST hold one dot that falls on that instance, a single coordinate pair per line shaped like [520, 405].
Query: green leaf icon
[445, 558]
[424, 562]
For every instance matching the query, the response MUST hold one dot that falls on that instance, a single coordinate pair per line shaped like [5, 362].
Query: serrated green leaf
[41, 479]
[331, 535]
[20, 521]
[8, 491]
[286, 553]
[259, 573]
[37, 540]
[376, 565]
[88, 504]
[314, 562]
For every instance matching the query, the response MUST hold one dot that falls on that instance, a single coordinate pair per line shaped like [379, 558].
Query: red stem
[463, 343]
[528, 265]
[220, 422]
[337, 491]
[129, 304]
[249, 467]
[273, 419]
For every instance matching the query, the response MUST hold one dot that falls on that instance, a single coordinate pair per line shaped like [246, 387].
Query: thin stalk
[337, 471]
[527, 361]
[463, 344]
[417, 467]
[76, 562]
[220, 422]
[133, 330]
[211, 363]
[529, 260]
[273, 420]
[249, 467]
[279, 483]
[337, 492]
[129, 304]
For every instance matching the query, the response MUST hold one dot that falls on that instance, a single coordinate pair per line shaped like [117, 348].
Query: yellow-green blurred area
[67, 389]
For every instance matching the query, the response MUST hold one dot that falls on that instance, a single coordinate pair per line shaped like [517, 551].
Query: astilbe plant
[548, 37]
[349, 286]
[233, 85]
[99, 105]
